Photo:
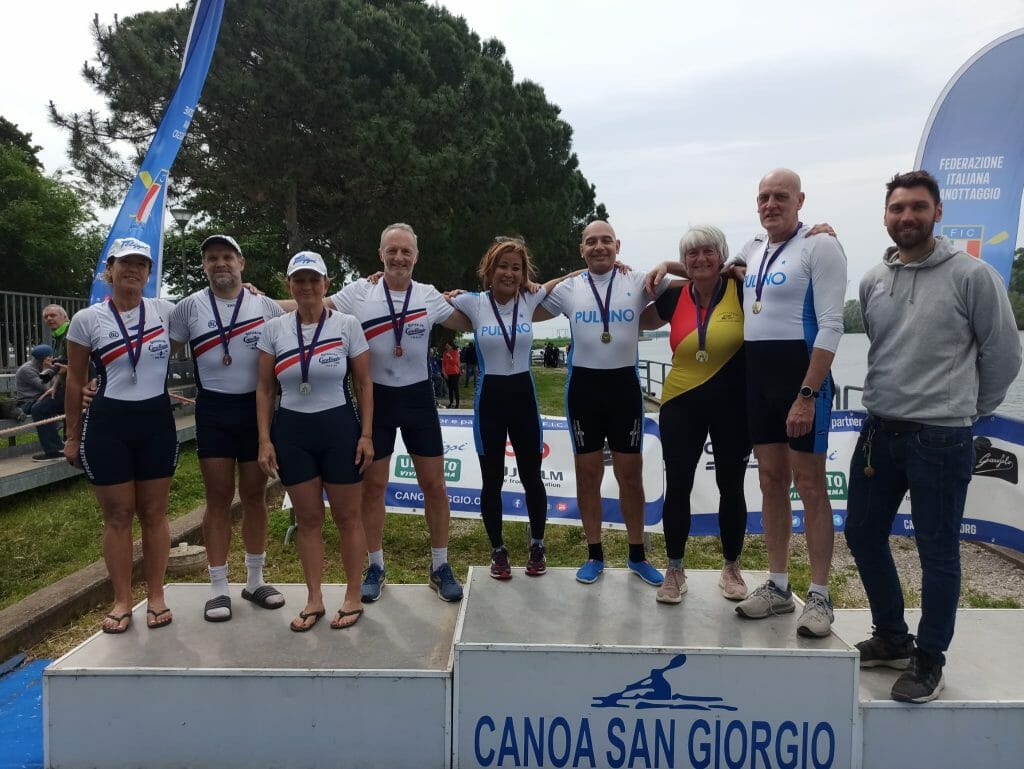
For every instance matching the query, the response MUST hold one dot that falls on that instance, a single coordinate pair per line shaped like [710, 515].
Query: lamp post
[182, 216]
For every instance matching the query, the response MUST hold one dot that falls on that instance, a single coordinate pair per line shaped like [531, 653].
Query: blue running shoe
[444, 582]
[373, 583]
[646, 571]
[589, 572]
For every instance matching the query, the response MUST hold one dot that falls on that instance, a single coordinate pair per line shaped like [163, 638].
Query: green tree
[46, 245]
[853, 323]
[324, 120]
[1016, 288]
[12, 136]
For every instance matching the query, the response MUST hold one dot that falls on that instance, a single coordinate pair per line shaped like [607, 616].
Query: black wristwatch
[807, 392]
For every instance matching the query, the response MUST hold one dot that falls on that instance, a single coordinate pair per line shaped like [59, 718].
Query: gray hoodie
[944, 344]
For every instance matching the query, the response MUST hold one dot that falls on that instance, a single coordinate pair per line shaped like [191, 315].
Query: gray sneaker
[766, 601]
[816, 618]
[673, 588]
[731, 583]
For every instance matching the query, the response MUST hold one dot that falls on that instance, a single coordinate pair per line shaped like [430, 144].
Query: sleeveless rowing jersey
[369, 304]
[193, 321]
[96, 329]
[803, 291]
[340, 339]
[575, 299]
[723, 341]
[492, 351]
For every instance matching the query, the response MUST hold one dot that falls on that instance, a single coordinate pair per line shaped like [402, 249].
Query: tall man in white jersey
[793, 319]
[223, 324]
[603, 396]
[397, 314]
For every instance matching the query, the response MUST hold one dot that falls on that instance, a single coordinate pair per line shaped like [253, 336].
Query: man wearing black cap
[223, 324]
[32, 386]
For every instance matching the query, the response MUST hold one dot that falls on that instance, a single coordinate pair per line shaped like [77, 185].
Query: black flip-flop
[304, 615]
[117, 629]
[260, 595]
[157, 615]
[219, 602]
[357, 613]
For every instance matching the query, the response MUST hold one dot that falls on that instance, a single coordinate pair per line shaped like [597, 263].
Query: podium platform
[555, 673]
[251, 693]
[978, 720]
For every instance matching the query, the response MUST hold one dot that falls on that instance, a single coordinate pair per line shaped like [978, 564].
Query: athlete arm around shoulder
[78, 368]
[360, 368]
[657, 275]
[265, 391]
[540, 312]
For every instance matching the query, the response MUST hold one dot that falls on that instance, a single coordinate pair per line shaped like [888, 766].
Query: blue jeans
[49, 435]
[935, 465]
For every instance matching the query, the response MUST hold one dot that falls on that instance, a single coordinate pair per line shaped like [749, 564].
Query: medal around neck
[757, 307]
[398, 351]
[606, 337]
[305, 388]
[702, 356]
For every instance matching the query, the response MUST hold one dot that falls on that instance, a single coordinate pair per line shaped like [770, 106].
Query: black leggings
[685, 423]
[453, 390]
[507, 406]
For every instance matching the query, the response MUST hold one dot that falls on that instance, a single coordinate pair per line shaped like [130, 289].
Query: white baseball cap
[307, 260]
[227, 240]
[123, 247]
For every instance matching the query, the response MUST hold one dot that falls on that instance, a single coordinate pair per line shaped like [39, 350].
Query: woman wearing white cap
[127, 443]
[315, 441]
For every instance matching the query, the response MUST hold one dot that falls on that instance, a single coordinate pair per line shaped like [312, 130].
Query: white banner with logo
[994, 511]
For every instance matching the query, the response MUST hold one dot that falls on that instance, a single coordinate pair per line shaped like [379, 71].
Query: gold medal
[606, 337]
[226, 360]
[757, 307]
[869, 471]
[702, 356]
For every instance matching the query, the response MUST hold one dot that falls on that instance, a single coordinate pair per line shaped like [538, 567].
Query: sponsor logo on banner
[404, 468]
[967, 237]
[994, 462]
[654, 722]
[544, 451]
[835, 484]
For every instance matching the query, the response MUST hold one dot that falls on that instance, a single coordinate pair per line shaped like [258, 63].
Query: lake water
[849, 369]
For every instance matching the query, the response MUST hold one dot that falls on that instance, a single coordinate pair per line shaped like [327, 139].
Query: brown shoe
[673, 588]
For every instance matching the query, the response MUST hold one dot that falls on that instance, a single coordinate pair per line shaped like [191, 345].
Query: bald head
[779, 200]
[599, 247]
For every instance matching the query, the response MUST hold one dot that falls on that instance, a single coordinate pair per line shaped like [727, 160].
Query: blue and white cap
[123, 247]
[307, 260]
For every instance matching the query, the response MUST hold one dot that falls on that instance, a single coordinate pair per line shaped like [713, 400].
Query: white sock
[821, 590]
[218, 580]
[254, 567]
[438, 557]
[376, 558]
[781, 580]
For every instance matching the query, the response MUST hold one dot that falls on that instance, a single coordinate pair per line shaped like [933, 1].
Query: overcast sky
[678, 108]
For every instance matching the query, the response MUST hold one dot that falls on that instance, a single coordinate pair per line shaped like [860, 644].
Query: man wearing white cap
[223, 324]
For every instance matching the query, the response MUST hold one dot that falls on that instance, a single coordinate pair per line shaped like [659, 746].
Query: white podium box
[978, 719]
[549, 672]
[251, 693]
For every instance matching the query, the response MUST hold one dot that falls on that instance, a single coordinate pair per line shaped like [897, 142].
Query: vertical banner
[974, 146]
[141, 215]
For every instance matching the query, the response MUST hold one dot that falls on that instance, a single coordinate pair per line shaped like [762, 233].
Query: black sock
[636, 553]
[595, 552]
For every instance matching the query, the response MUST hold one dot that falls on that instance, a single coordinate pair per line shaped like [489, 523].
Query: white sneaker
[766, 601]
[816, 618]
[674, 587]
[731, 582]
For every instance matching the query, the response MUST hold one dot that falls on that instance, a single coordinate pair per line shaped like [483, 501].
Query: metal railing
[21, 324]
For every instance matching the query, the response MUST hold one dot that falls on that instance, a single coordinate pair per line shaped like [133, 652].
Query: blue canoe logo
[655, 692]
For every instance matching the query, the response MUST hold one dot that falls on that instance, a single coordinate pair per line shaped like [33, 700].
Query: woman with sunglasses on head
[127, 443]
[505, 406]
[315, 441]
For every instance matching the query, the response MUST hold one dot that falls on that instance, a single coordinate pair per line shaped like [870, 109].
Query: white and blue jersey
[340, 339]
[96, 329]
[492, 352]
[193, 321]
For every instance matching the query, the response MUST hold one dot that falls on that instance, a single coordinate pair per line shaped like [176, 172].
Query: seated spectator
[36, 399]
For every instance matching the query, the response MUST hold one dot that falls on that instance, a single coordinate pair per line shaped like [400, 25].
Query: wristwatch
[807, 392]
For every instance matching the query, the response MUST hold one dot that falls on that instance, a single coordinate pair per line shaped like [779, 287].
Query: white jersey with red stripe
[341, 338]
[491, 348]
[96, 329]
[193, 321]
[370, 305]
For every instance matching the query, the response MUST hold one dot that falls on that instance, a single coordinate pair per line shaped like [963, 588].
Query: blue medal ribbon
[304, 359]
[702, 324]
[225, 338]
[766, 265]
[133, 353]
[510, 339]
[397, 322]
[605, 308]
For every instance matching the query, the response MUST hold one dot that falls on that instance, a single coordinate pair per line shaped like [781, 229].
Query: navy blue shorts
[226, 426]
[775, 373]
[126, 441]
[318, 445]
[411, 409]
[605, 405]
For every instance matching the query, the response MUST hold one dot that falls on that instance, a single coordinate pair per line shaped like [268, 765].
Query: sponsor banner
[142, 212]
[656, 710]
[972, 145]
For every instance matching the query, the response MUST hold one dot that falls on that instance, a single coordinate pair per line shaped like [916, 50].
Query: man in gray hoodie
[944, 350]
